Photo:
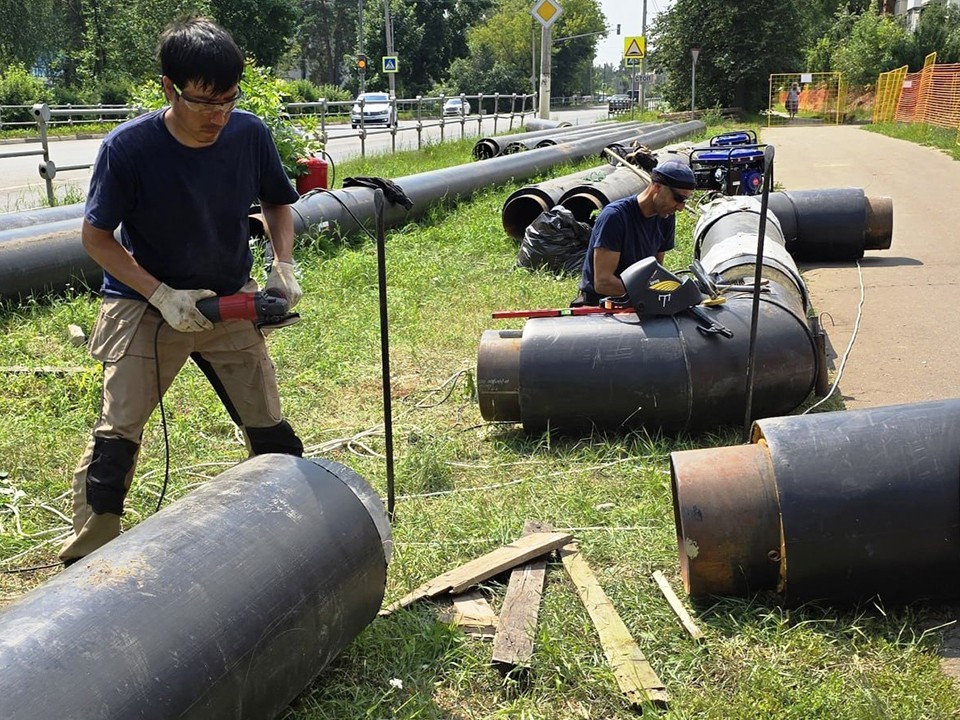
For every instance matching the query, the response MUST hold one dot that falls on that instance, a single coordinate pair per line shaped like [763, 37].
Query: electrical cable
[846, 353]
[163, 420]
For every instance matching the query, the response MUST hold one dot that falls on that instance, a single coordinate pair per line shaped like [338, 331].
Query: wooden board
[484, 567]
[473, 613]
[679, 610]
[513, 642]
[635, 676]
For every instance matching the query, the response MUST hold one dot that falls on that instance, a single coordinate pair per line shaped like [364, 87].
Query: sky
[629, 13]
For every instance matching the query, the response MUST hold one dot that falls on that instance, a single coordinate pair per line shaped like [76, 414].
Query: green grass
[943, 138]
[446, 273]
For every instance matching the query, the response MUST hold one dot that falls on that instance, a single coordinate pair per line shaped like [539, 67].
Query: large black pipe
[544, 124]
[838, 506]
[37, 216]
[833, 224]
[490, 147]
[619, 372]
[226, 604]
[49, 256]
[617, 132]
[523, 206]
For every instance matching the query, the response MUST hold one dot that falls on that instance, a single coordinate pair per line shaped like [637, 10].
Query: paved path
[908, 344]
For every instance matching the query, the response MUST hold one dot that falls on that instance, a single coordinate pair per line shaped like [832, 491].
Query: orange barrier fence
[930, 96]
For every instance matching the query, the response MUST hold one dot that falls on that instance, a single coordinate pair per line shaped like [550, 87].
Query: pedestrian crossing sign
[635, 47]
[390, 63]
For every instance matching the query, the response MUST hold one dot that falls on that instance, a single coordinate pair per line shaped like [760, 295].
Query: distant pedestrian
[793, 100]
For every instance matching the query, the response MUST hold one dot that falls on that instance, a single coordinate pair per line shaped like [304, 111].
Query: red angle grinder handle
[258, 307]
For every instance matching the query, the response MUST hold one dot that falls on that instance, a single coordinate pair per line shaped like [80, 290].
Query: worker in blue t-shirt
[179, 183]
[634, 228]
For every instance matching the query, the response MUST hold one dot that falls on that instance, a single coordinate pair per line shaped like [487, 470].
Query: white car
[376, 110]
[455, 107]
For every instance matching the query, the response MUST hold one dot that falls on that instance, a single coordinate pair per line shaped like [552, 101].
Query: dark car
[619, 102]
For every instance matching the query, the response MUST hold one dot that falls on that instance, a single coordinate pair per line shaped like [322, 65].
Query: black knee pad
[106, 476]
[279, 438]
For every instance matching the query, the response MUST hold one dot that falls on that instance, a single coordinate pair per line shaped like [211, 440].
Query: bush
[19, 87]
[115, 91]
[69, 95]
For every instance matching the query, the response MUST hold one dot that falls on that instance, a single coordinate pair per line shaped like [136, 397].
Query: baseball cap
[675, 174]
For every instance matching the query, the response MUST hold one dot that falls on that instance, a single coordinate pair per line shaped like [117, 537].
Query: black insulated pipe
[838, 506]
[619, 372]
[226, 604]
[38, 216]
[490, 147]
[544, 124]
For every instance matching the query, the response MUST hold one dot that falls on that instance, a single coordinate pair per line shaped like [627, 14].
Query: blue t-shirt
[623, 228]
[183, 211]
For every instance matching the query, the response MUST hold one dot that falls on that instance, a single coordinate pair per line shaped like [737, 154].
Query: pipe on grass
[620, 372]
[226, 604]
[836, 506]
[490, 147]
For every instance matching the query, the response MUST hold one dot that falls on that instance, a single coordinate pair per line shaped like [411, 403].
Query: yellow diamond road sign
[546, 11]
[634, 47]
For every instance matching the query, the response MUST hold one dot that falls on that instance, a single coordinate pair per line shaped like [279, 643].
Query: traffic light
[361, 62]
[618, 28]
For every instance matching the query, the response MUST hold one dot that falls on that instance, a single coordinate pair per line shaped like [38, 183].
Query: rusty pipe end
[498, 375]
[878, 228]
[727, 516]
[583, 205]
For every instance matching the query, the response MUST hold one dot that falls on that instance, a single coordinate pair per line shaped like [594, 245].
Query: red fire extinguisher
[314, 177]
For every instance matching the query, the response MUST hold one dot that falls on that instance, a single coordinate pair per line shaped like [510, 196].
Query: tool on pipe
[385, 349]
[265, 308]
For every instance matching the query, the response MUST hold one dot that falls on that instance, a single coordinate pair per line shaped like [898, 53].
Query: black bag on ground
[555, 241]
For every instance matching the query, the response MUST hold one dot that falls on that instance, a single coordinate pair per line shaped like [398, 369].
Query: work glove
[179, 307]
[283, 279]
[643, 157]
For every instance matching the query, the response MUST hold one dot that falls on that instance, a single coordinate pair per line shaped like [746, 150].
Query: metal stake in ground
[385, 348]
[768, 154]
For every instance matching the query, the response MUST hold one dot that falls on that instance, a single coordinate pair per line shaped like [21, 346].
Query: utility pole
[363, 84]
[643, 60]
[546, 41]
[388, 26]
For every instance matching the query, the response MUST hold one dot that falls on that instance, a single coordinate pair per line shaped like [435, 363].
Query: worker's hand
[283, 279]
[179, 308]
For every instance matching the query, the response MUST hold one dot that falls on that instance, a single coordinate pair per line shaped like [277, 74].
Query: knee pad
[107, 474]
[279, 438]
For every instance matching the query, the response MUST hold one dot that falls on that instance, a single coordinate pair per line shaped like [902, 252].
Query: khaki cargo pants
[233, 356]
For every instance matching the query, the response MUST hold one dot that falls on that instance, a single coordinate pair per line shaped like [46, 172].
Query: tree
[27, 32]
[741, 44]
[264, 29]
[326, 34]
[938, 30]
[875, 43]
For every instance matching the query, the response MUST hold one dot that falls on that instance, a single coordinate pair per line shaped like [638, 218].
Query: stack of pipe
[545, 124]
[495, 145]
[622, 372]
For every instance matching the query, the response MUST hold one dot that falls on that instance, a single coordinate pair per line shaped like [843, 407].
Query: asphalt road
[22, 188]
[907, 345]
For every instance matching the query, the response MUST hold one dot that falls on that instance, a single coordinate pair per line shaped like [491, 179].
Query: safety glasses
[678, 198]
[208, 107]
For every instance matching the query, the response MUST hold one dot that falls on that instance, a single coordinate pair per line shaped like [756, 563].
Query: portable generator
[732, 164]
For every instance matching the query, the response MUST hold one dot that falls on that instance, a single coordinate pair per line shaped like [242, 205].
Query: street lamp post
[694, 53]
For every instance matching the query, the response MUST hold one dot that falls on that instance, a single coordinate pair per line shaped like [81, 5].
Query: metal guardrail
[428, 112]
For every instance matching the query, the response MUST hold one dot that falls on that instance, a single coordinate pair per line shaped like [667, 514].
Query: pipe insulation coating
[226, 604]
[837, 506]
[622, 372]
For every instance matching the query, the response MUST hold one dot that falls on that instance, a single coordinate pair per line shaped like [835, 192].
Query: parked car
[620, 101]
[455, 107]
[377, 110]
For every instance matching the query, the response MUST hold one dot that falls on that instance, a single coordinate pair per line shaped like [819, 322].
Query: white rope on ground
[846, 353]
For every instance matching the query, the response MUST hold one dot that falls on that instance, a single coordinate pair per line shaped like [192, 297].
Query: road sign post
[546, 12]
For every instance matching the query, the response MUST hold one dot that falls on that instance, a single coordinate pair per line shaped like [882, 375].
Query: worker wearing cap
[632, 229]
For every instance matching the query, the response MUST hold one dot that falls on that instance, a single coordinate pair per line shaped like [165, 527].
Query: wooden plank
[484, 567]
[679, 610]
[635, 676]
[513, 642]
[473, 613]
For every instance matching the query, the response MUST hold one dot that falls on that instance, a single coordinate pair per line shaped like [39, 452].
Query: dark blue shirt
[183, 211]
[622, 228]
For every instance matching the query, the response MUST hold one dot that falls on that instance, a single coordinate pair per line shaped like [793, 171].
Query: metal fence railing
[336, 118]
[805, 98]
